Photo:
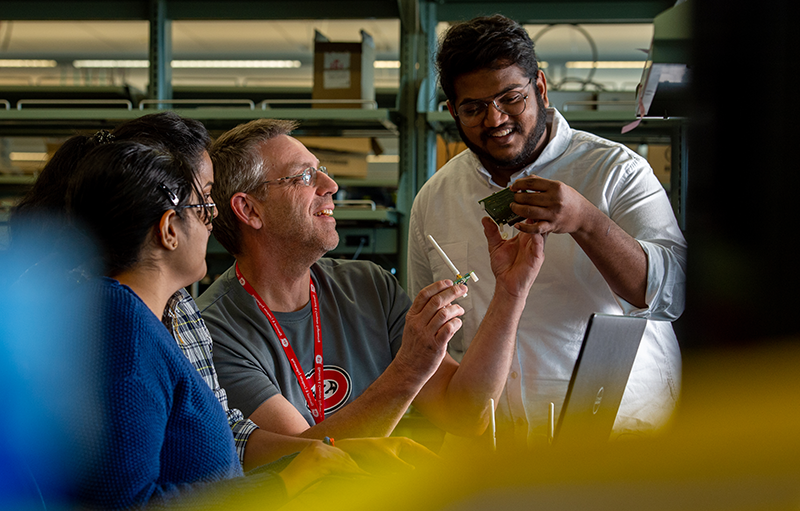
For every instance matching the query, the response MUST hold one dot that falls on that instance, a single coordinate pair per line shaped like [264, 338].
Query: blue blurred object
[42, 357]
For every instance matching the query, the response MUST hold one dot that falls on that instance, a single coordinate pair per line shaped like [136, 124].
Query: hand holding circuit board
[512, 258]
[541, 206]
[498, 207]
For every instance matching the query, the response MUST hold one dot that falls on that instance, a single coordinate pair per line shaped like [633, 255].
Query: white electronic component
[461, 279]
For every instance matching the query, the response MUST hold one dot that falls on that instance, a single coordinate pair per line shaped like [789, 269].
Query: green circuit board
[498, 206]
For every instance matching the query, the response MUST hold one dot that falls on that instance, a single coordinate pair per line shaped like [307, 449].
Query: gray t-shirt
[362, 313]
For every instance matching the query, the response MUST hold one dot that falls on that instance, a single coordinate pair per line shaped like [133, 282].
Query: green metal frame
[160, 51]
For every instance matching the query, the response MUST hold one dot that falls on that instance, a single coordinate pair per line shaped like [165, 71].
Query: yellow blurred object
[734, 445]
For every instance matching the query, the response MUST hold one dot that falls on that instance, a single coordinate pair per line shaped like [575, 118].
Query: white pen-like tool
[461, 279]
[494, 425]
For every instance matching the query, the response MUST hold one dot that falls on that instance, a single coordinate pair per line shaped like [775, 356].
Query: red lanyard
[316, 405]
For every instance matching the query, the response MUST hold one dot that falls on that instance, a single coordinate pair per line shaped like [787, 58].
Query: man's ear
[451, 110]
[246, 210]
[167, 231]
[541, 83]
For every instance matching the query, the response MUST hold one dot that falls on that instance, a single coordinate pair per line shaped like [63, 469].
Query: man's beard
[521, 159]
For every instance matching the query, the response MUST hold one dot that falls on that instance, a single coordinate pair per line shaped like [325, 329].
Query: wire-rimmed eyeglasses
[511, 102]
[308, 177]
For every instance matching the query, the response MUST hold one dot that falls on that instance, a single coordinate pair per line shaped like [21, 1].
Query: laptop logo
[597, 401]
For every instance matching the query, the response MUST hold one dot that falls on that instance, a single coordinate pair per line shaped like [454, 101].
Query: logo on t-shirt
[338, 387]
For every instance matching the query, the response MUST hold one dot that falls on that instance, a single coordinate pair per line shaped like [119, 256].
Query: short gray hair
[239, 167]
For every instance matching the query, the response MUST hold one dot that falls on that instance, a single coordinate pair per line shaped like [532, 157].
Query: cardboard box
[342, 156]
[344, 71]
[342, 144]
[343, 164]
[446, 150]
[660, 158]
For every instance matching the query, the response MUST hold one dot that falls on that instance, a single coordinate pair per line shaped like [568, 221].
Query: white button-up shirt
[569, 288]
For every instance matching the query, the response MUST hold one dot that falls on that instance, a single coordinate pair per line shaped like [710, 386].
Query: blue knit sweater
[160, 433]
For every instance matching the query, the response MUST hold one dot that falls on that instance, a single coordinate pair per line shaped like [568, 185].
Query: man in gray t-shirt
[364, 310]
[285, 321]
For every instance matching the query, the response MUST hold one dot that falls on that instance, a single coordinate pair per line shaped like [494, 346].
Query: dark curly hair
[493, 42]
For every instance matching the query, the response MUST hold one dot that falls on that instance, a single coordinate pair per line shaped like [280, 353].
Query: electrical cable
[566, 79]
[361, 245]
[6, 36]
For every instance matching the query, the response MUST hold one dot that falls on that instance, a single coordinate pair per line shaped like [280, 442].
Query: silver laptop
[599, 379]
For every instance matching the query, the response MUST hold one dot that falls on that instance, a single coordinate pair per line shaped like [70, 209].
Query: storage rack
[414, 119]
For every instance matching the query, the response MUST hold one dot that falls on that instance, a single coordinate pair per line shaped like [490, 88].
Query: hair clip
[103, 137]
[170, 194]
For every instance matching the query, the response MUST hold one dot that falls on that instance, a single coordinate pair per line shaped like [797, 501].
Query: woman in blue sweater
[159, 435]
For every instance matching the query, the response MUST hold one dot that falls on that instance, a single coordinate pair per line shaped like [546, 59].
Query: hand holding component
[460, 279]
[553, 207]
[431, 322]
[515, 262]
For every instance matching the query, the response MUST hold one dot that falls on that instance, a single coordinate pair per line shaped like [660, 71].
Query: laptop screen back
[599, 379]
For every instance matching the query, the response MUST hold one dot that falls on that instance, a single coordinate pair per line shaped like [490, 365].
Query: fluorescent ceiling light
[110, 63]
[192, 64]
[606, 64]
[19, 156]
[27, 63]
[261, 64]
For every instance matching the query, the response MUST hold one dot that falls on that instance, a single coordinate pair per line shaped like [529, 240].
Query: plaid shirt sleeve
[182, 319]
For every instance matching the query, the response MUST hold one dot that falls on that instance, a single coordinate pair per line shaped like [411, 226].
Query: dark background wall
[744, 179]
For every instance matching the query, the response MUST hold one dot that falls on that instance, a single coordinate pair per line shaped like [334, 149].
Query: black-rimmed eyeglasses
[511, 103]
[308, 177]
[209, 208]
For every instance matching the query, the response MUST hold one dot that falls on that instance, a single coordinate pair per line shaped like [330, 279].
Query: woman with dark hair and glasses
[159, 435]
[39, 215]
[40, 230]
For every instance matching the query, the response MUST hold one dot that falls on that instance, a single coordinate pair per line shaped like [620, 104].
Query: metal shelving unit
[413, 119]
[336, 121]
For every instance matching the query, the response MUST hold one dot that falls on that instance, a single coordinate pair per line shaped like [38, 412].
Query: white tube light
[606, 64]
[111, 63]
[27, 63]
[239, 64]
[192, 64]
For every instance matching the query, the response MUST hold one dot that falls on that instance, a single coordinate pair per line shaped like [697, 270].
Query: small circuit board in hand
[498, 206]
[462, 279]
